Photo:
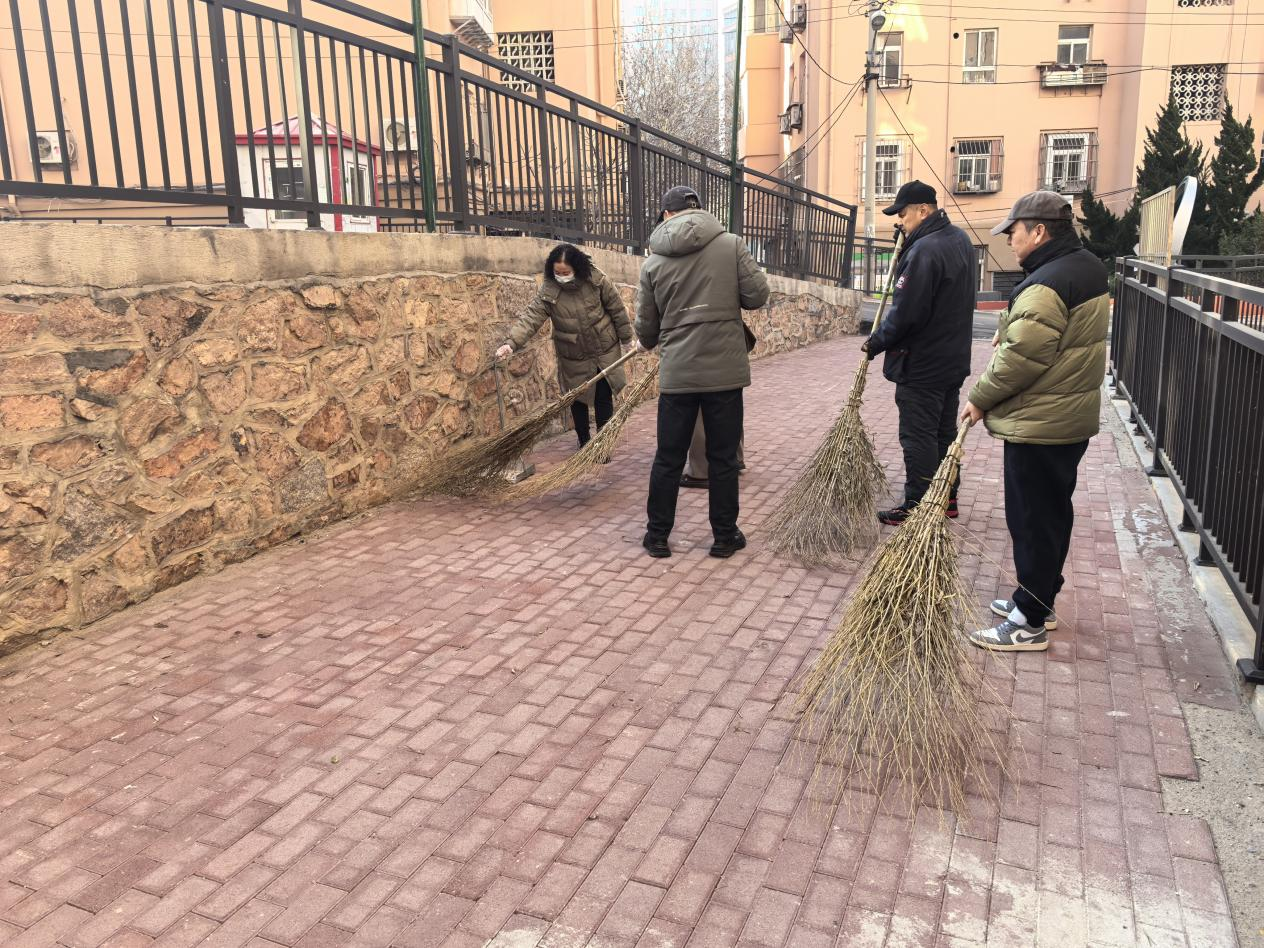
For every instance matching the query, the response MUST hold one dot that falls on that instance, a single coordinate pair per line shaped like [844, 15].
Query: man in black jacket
[926, 336]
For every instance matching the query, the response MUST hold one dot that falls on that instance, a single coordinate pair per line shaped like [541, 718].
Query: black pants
[928, 425]
[722, 422]
[605, 408]
[1039, 482]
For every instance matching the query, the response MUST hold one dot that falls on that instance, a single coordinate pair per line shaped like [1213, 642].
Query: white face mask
[564, 279]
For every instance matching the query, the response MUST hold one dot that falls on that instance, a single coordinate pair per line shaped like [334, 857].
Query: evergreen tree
[1169, 156]
[1105, 233]
[1245, 237]
[1230, 182]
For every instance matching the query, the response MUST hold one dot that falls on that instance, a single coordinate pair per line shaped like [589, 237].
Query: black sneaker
[723, 549]
[656, 546]
[895, 516]
[688, 480]
[1009, 636]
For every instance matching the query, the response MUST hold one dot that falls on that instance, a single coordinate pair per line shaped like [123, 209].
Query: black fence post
[1159, 427]
[636, 187]
[453, 105]
[546, 158]
[311, 184]
[849, 244]
[737, 206]
[224, 111]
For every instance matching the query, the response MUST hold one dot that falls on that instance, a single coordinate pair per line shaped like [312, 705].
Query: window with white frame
[1073, 45]
[978, 169]
[355, 183]
[1199, 91]
[890, 59]
[889, 166]
[980, 56]
[531, 51]
[1068, 161]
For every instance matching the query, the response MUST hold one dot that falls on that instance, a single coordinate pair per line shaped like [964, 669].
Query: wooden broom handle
[886, 286]
[608, 369]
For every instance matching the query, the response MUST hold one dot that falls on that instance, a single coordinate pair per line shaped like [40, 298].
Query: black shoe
[656, 546]
[723, 549]
[895, 516]
[687, 480]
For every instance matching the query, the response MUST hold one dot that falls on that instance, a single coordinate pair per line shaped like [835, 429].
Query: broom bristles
[829, 512]
[587, 462]
[893, 698]
[479, 467]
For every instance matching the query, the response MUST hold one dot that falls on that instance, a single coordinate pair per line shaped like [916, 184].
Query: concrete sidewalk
[450, 724]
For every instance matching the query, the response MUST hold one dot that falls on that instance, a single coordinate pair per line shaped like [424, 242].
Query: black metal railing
[1187, 352]
[870, 263]
[259, 112]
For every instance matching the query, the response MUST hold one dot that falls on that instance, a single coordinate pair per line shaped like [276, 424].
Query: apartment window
[889, 166]
[1073, 45]
[531, 52]
[978, 168]
[288, 185]
[1199, 91]
[766, 18]
[891, 60]
[980, 62]
[1068, 161]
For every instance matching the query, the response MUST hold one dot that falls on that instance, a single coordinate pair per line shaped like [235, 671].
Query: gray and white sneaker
[1011, 636]
[1003, 607]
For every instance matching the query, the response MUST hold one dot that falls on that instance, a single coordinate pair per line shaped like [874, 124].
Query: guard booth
[270, 164]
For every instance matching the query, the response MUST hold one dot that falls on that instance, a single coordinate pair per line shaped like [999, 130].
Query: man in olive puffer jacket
[1041, 394]
[694, 286]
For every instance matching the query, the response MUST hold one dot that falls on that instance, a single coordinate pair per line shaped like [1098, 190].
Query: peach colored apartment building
[364, 128]
[993, 99]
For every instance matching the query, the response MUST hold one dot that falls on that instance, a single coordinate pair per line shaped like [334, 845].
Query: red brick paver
[452, 724]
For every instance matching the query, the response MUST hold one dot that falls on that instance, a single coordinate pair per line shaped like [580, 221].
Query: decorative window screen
[1073, 45]
[1204, 3]
[1199, 91]
[978, 165]
[980, 63]
[531, 52]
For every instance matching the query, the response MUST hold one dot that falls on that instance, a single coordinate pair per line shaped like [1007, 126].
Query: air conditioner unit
[399, 136]
[48, 148]
[786, 33]
[783, 121]
[799, 16]
[796, 115]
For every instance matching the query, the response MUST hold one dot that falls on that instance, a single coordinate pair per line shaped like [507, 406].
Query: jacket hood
[685, 233]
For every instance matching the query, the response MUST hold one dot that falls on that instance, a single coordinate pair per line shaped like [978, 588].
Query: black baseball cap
[914, 192]
[680, 198]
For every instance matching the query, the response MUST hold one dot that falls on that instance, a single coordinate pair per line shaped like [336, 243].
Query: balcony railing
[1064, 76]
[977, 185]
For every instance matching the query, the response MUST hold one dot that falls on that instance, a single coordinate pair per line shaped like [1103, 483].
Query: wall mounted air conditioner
[399, 136]
[48, 148]
[799, 16]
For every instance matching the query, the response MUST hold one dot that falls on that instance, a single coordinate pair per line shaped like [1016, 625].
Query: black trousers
[604, 404]
[1039, 483]
[722, 422]
[928, 425]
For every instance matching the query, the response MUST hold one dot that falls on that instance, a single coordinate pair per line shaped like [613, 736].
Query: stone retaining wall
[178, 400]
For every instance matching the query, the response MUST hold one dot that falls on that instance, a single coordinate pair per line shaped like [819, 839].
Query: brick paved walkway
[448, 725]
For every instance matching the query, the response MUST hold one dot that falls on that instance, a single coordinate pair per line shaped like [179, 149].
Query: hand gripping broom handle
[607, 370]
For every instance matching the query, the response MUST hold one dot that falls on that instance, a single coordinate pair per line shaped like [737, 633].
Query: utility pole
[877, 19]
[735, 191]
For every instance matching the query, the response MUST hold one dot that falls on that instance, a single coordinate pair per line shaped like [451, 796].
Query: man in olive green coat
[694, 286]
[1041, 394]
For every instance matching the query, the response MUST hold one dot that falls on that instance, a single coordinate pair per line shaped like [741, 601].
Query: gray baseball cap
[1036, 206]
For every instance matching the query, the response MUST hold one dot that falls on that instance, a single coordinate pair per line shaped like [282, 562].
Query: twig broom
[588, 460]
[894, 697]
[830, 510]
[479, 467]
